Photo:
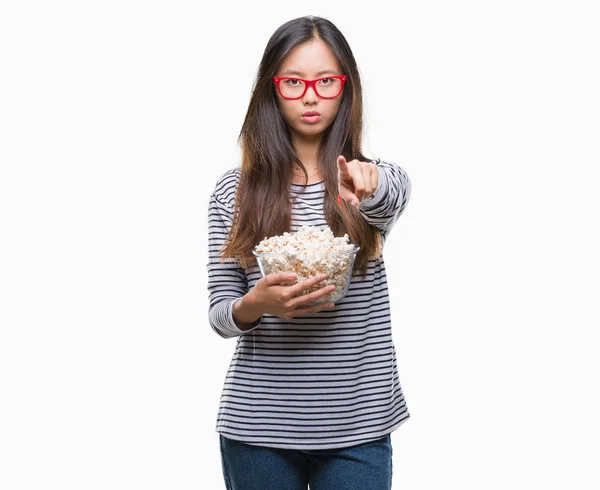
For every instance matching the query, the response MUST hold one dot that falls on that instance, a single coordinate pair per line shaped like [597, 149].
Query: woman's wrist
[246, 311]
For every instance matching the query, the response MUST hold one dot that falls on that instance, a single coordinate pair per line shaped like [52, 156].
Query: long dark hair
[262, 206]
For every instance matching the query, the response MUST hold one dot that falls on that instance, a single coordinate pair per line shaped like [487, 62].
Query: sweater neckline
[307, 185]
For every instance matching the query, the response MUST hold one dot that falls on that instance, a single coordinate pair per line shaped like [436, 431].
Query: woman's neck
[308, 153]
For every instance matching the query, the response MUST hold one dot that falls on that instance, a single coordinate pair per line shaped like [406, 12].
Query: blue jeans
[366, 466]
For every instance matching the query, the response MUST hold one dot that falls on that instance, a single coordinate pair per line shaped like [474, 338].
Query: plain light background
[116, 119]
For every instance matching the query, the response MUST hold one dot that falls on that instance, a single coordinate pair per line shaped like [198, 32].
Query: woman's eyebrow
[299, 73]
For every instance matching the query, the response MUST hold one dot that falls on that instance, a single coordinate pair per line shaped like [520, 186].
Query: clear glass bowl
[337, 265]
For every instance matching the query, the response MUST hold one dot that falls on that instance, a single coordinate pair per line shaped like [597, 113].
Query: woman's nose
[310, 94]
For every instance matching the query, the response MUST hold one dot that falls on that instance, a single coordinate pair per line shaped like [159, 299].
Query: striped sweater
[316, 381]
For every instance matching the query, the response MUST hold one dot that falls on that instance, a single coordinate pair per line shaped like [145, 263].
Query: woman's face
[310, 60]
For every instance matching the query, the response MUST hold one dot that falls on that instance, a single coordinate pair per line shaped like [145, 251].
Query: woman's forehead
[313, 59]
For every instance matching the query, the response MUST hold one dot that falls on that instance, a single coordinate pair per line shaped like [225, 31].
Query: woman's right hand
[287, 302]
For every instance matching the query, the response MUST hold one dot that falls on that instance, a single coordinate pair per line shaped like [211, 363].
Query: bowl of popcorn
[310, 252]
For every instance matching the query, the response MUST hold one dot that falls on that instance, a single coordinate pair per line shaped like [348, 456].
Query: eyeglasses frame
[310, 83]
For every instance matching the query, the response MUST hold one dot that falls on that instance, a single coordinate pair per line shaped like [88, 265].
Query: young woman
[312, 393]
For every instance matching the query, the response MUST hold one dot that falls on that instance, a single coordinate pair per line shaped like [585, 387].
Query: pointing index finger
[342, 164]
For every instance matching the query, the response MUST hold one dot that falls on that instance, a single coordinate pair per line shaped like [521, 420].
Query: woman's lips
[311, 119]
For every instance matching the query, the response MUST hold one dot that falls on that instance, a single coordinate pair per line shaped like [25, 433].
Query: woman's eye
[291, 81]
[325, 81]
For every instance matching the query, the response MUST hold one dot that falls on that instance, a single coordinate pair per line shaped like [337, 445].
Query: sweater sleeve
[227, 281]
[385, 205]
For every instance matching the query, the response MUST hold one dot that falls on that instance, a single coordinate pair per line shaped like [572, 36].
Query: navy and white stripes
[315, 381]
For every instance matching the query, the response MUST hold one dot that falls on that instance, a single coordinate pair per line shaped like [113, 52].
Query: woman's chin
[312, 131]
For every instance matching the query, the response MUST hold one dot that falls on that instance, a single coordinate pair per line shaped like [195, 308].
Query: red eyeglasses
[295, 88]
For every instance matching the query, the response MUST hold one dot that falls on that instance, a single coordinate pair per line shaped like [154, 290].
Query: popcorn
[310, 252]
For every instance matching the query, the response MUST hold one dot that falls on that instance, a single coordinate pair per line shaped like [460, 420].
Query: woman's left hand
[356, 180]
